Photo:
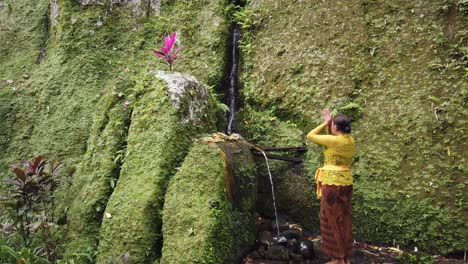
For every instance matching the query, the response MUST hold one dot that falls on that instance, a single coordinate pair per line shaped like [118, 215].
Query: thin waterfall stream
[232, 101]
[233, 80]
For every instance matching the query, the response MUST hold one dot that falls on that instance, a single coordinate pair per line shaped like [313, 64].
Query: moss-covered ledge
[163, 123]
[97, 175]
[209, 209]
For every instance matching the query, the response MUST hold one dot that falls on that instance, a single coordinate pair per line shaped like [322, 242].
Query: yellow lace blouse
[338, 154]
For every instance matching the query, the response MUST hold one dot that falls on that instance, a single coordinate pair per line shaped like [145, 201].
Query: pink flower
[167, 51]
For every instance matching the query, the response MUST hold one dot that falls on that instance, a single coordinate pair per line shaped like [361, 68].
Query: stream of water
[272, 193]
[233, 79]
[232, 100]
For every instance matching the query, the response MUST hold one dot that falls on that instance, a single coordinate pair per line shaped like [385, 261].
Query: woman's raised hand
[327, 116]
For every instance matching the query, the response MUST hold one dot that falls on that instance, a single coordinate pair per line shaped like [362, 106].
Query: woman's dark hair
[343, 123]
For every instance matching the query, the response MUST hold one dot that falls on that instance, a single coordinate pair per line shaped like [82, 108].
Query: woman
[335, 186]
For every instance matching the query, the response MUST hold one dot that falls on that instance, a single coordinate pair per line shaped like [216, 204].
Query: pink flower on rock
[167, 52]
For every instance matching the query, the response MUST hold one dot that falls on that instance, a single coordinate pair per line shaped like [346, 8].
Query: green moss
[201, 224]
[374, 60]
[62, 108]
[157, 142]
[97, 175]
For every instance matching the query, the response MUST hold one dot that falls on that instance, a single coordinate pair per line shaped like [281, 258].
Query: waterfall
[233, 78]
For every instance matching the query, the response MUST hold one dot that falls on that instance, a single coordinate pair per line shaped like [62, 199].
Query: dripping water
[233, 80]
[272, 192]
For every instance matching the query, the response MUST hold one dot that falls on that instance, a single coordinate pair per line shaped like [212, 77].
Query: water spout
[272, 192]
[233, 79]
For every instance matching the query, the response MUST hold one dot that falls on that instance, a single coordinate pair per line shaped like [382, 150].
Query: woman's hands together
[327, 116]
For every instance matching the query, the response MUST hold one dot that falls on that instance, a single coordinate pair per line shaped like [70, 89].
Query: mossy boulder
[97, 175]
[162, 126]
[209, 212]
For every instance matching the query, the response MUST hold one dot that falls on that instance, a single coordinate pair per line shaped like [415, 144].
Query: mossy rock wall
[70, 75]
[163, 125]
[60, 57]
[209, 213]
[97, 176]
[397, 68]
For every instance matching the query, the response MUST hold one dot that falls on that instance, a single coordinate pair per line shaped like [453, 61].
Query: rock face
[98, 175]
[184, 92]
[95, 86]
[139, 7]
[209, 213]
[54, 12]
[381, 62]
[158, 141]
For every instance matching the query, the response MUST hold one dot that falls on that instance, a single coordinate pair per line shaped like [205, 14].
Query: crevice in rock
[115, 174]
[229, 87]
[46, 21]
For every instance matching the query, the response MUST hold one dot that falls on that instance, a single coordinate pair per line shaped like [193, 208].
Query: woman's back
[341, 151]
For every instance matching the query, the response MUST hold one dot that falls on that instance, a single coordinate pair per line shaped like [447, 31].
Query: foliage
[415, 258]
[167, 52]
[24, 256]
[31, 195]
[31, 198]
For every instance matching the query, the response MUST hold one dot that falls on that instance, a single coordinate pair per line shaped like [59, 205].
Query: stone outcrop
[139, 7]
[209, 213]
[157, 143]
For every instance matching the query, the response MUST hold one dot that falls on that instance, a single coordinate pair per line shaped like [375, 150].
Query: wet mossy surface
[157, 144]
[70, 104]
[397, 69]
[97, 177]
[209, 209]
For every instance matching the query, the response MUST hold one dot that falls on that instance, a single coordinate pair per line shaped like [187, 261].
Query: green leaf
[434, 99]
[8, 251]
[223, 107]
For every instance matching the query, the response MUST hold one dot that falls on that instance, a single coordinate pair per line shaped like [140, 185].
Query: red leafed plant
[167, 52]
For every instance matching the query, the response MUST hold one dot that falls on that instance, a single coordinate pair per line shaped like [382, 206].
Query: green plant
[25, 255]
[415, 258]
[31, 198]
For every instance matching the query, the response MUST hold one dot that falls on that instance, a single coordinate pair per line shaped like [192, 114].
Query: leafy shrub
[31, 203]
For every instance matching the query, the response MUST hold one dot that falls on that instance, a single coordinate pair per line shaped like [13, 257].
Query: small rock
[277, 252]
[280, 240]
[307, 249]
[265, 238]
[214, 204]
[108, 216]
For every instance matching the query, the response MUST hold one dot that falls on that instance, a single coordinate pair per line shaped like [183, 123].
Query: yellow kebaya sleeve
[326, 140]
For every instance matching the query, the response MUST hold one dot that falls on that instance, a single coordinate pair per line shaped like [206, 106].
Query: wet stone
[265, 239]
[307, 249]
[277, 252]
